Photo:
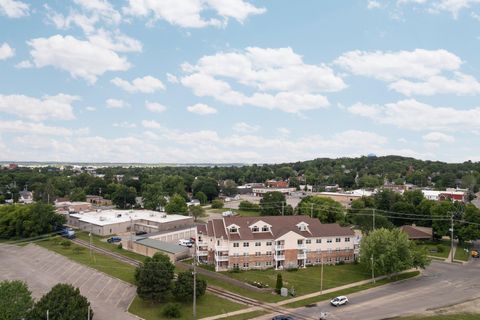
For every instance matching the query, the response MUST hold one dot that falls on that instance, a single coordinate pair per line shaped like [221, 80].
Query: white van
[185, 243]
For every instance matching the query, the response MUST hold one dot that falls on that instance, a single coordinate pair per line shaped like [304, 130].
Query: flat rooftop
[161, 245]
[106, 217]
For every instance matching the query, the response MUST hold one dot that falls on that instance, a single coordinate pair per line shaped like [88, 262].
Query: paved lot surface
[42, 269]
[441, 284]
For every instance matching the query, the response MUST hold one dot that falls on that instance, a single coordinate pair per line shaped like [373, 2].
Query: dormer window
[255, 229]
[302, 226]
[233, 229]
[265, 229]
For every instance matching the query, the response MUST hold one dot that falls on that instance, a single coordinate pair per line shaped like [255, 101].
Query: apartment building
[272, 242]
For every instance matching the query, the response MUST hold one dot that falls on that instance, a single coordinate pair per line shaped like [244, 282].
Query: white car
[185, 243]
[338, 301]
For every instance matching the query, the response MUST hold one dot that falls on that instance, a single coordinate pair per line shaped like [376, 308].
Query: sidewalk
[306, 296]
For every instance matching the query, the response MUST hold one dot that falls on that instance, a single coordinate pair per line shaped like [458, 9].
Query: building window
[255, 229]
[308, 241]
[265, 229]
[299, 241]
[257, 264]
[317, 260]
[269, 243]
[236, 244]
[235, 265]
[258, 244]
[329, 240]
[245, 264]
[269, 253]
[268, 263]
[319, 240]
[257, 253]
[337, 249]
[246, 244]
[218, 242]
[245, 254]
[338, 239]
[347, 239]
[235, 254]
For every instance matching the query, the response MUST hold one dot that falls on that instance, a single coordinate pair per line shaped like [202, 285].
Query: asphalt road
[441, 284]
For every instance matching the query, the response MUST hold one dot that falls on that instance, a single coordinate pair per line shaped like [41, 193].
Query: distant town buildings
[448, 194]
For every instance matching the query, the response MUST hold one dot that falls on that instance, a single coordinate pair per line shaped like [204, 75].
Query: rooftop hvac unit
[152, 214]
[163, 216]
[102, 218]
[119, 215]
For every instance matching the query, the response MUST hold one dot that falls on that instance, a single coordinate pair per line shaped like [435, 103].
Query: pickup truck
[114, 239]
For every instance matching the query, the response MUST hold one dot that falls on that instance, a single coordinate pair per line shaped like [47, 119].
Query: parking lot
[42, 269]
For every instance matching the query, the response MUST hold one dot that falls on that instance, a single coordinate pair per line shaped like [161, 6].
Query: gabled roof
[280, 225]
[415, 232]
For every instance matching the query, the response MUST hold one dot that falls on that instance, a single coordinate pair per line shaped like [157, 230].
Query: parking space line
[92, 274]
[109, 280]
[113, 290]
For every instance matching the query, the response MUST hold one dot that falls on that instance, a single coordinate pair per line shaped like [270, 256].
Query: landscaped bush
[65, 243]
[259, 284]
[172, 310]
[217, 204]
[236, 269]
[440, 249]
[120, 246]
[291, 269]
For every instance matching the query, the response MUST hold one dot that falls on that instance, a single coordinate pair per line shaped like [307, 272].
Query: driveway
[42, 269]
[440, 285]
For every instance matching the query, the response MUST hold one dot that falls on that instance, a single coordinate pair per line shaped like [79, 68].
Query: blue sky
[238, 81]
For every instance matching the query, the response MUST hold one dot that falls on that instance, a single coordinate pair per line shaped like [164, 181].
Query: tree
[229, 187]
[391, 252]
[248, 206]
[272, 204]
[184, 287]
[177, 205]
[15, 300]
[441, 213]
[467, 231]
[279, 284]
[325, 209]
[63, 301]
[153, 196]
[123, 196]
[77, 194]
[196, 211]
[217, 204]
[154, 278]
[202, 197]
[209, 186]
[172, 310]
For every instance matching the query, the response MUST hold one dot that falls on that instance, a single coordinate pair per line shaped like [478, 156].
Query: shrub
[65, 243]
[236, 269]
[120, 246]
[248, 206]
[217, 204]
[172, 310]
[279, 285]
[440, 249]
[77, 250]
[341, 262]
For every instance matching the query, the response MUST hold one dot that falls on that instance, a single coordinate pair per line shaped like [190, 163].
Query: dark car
[114, 239]
[139, 233]
[282, 317]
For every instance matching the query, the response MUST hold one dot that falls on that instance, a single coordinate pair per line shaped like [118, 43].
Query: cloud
[80, 58]
[413, 115]
[125, 125]
[452, 6]
[278, 77]
[172, 78]
[201, 109]
[245, 127]
[24, 64]
[14, 8]
[436, 137]
[19, 126]
[373, 5]
[91, 109]
[151, 124]
[6, 51]
[155, 107]
[284, 131]
[147, 84]
[48, 107]
[188, 13]
[115, 103]
[102, 8]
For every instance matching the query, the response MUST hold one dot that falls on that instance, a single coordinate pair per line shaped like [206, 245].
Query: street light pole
[451, 239]
[373, 273]
[195, 282]
[321, 273]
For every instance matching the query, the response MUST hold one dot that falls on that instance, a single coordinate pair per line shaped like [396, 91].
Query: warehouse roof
[161, 245]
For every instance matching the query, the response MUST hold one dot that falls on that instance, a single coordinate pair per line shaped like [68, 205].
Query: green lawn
[102, 243]
[248, 315]
[99, 262]
[463, 316]
[208, 305]
[307, 280]
[463, 252]
[328, 296]
[439, 249]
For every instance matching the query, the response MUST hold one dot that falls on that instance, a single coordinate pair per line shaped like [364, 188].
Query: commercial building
[107, 222]
[260, 192]
[450, 193]
[272, 242]
[148, 247]
[345, 198]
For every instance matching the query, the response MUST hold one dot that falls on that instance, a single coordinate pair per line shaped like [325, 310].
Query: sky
[238, 81]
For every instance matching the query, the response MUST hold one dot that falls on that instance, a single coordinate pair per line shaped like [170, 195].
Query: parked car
[185, 243]
[282, 317]
[114, 239]
[139, 233]
[339, 301]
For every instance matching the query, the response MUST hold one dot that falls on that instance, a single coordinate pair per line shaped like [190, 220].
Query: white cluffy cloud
[278, 77]
[372, 4]
[188, 13]
[437, 137]
[6, 51]
[413, 115]
[80, 58]
[155, 107]
[201, 109]
[417, 72]
[47, 107]
[115, 103]
[147, 84]
[245, 127]
[14, 8]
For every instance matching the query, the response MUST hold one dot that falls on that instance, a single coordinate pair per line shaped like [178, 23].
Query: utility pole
[283, 208]
[195, 282]
[373, 273]
[311, 211]
[88, 315]
[373, 220]
[131, 233]
[451, 238]
[321, 273]
[47, 315]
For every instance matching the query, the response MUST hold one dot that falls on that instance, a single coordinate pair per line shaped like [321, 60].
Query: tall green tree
[153, 196]
[196, 211]
[273, 204]
[184, 287]
[123, 196]
[63, 302]
[154, 278]
[77, 194]
[177, 205]
[229, 187]
[202, 197]
[391, 252]
[15, 300]
[207, 185]
[323, 208]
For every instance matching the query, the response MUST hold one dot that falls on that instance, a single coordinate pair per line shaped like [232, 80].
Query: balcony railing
[278, 257]
[222, 248]
[301, 256]
[202, 253]
[221, 258]
[279, 247]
